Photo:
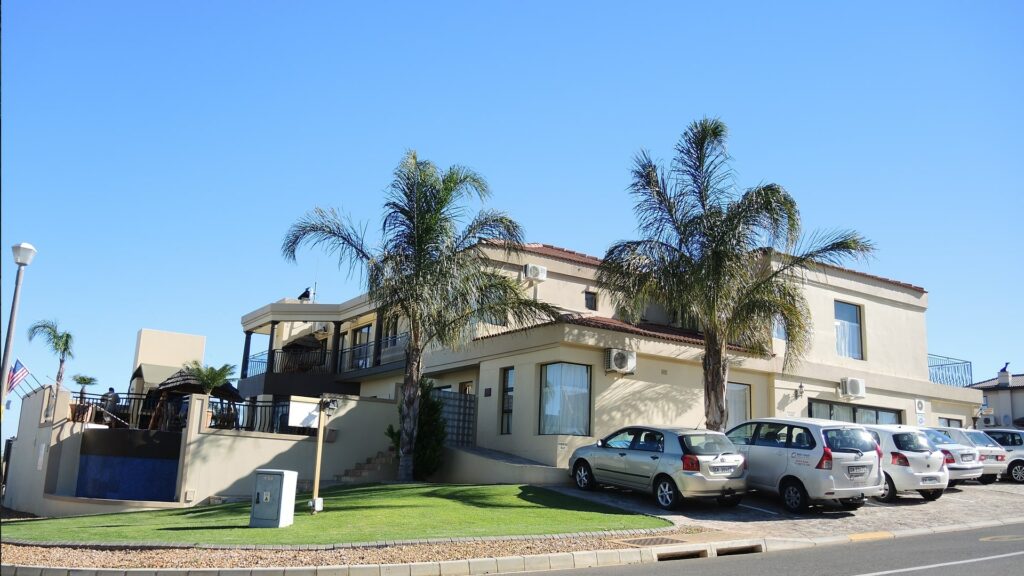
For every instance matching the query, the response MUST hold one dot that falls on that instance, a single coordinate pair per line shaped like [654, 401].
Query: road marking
[930, 566]
[868, 536]
[1007, 538]
[759, 509]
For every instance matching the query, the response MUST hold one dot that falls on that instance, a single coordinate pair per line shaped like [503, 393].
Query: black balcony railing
[326, 362]
[949, 371]
[128, 410]
[268, 417]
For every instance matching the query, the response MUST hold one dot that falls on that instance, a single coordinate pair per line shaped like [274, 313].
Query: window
[848, 331]
[742, 434]
[621, 440]
[951, 423]
[849, 440]
[801, 438]
[706, 444]
[773, 435]
[590, 299]
[852, 413]
[737, 403]
[1008, 438]
[390, 333]
[912, 442]
[650, 441]
[937, 436]
[778, 328]
[360, 355]
[565, 399]
[508, 386]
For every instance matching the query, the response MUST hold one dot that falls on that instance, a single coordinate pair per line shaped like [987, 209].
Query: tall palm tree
[425, 269]
[83, 381]
[210, 377]
[60, 343]
[732, 262]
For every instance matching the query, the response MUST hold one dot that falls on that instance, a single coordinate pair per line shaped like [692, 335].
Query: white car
[991, 454]
[963, 462]
[1013, 442]
[810, 460]
[910, 461]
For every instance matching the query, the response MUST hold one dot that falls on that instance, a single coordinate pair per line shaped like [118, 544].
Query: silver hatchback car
[671, 463]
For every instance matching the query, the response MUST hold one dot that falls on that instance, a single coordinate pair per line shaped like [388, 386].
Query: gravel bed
[196, 558]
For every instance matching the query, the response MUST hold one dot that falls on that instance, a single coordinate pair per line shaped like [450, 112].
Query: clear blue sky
[155, 153]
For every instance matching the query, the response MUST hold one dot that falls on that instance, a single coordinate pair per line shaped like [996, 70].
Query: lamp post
[23, 255]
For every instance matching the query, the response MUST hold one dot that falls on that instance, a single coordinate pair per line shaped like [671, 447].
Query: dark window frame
[590, 300]
[506, 393]
[590, 399]
[950, 421]
[855, 407]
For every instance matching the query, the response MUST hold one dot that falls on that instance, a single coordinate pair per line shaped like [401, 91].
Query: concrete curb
[511, 564]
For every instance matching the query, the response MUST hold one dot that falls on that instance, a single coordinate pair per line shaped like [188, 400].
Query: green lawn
[353, 514]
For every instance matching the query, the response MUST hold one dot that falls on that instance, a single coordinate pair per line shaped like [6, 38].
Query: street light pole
[23, 254]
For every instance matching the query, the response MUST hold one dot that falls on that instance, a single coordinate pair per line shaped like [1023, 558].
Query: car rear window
[912, 442]
[938, 437]
[849, 440]
[705, 444]
[981, 439]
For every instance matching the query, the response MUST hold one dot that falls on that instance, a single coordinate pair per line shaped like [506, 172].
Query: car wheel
[794, 497]
[583, 476]
[930, 495]
[1017, 472]
[730, 501]
[888, 490]
[666, 493]
[987, 479]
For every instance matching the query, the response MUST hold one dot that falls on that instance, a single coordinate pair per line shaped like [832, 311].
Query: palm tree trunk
[410, 410]
[60, 373]
[716, 375]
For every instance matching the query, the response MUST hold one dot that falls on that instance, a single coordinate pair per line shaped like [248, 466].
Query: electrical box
[273, 500]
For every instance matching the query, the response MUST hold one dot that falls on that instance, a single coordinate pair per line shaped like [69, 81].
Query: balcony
[949, 371]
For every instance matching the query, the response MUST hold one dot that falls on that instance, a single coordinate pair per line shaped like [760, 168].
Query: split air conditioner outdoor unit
[988, 421]
[621, 361]
[535, 272]
[852, 388]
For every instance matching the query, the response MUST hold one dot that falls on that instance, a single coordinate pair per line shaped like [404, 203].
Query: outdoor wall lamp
[799, 392]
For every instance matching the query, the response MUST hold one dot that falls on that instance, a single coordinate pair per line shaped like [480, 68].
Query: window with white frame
[848, 330]
[565, 399]
[737, 402]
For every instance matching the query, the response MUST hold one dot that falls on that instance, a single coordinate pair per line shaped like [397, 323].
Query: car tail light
[949, 457]
[1000, 457]
[981, 457]
[826, 460]
[878, 450]
[899, 459]
[691, 463]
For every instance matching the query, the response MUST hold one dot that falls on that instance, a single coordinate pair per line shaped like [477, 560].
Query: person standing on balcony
[110, 401]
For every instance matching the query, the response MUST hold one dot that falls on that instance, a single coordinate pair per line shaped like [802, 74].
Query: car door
[609, 461]
[742, 436]
[769, 451]
[643, 458]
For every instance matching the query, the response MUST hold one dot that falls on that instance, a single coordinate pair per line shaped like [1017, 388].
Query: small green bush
[430, 434]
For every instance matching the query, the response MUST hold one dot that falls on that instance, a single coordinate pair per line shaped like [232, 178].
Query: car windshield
[912, 442]
[705, 444]
[938, 437]
[849, 440]
[981, 439]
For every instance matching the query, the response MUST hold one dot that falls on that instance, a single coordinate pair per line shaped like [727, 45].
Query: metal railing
[268, 417]
[128, 410]
[321, 361]
[949, 371]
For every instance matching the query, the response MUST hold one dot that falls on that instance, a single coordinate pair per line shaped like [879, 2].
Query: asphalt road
[985, 552]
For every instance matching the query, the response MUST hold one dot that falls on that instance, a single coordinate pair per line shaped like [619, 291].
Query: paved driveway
[763, 516]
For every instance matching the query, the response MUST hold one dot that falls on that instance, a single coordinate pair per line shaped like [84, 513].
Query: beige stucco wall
[221, 462]
[167, 348]
[465, 467]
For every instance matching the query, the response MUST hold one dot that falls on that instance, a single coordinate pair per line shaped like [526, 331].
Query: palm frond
[327, 229]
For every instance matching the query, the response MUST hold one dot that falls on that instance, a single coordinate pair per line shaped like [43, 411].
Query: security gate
[459, 413]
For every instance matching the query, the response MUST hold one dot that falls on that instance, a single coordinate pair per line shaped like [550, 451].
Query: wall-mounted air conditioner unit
[852, 388]
[988, 421]
[621, 361]
[535, 272]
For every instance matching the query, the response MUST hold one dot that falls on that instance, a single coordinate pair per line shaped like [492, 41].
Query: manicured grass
[352, 514]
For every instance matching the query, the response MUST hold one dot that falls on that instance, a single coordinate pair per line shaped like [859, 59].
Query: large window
[590, 300]
[565, 399]
[508, 386]
[737, 402]
[853, 413]
[848, 331]
[951, 422]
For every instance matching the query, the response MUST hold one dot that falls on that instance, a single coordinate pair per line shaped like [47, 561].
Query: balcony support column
[270, 348]
[378, 333]
[245, 354]
[336, 349]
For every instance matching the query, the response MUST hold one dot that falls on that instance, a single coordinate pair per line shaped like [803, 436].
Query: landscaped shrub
[430, 434]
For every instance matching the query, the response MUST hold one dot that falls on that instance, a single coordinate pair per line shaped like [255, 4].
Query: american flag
[18, 373]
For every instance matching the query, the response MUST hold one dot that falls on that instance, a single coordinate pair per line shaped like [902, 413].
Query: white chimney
[1004, 376]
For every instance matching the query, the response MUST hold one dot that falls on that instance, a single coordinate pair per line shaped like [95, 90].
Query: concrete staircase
[380, 468]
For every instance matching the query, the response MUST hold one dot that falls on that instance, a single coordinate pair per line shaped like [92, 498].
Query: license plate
[721, 469]
[929, 480]
[857, 470]
[967, 457]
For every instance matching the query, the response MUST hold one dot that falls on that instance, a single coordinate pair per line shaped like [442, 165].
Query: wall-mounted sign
[922, 420]
[304, 413]
[919, 406]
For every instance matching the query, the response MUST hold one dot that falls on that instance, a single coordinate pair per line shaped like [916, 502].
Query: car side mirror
[600, 443]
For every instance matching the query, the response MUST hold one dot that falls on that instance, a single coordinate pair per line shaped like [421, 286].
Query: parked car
[991, 454]
[963, 462]
[910, 461]
[1013, 442]
[809, 460]
[671, 463]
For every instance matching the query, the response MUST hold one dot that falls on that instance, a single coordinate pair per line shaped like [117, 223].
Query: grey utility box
[273, 500]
